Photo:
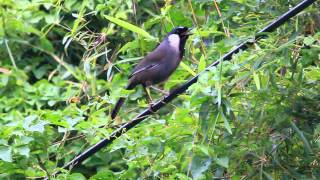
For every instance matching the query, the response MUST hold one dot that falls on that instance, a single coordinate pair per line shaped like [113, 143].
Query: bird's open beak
[187, 33]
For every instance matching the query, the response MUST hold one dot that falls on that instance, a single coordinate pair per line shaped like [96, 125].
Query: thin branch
[226, 31]
[202, 46]
[10, 54]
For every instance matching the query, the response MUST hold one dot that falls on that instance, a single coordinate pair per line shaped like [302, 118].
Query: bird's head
[182, 32]
[177, 38]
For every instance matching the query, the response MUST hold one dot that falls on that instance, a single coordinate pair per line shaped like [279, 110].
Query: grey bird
[158, 65]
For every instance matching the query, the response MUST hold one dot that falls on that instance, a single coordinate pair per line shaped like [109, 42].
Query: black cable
[166, 99]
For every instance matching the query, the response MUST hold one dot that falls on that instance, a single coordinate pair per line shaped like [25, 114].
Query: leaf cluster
[65, 63]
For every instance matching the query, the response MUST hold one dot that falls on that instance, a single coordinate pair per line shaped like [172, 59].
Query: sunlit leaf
[5, 153]
[129, 26]
[187, 68]
[199, 165]
[256, 80]
[223, 161]
[202, 64]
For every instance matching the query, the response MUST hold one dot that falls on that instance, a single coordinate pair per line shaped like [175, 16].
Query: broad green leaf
[41, 71]
[223, 161]
[313, 74]
[5, 153]
[103, 174]
[46, 45]
[77, 176]
[199, 165]
[130, 27]
[24, 150]
[308, 40]
[32, 124]
[204, 117]
[26, 139]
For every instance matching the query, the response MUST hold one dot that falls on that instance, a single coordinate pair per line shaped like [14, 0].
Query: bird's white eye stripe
[174, 41]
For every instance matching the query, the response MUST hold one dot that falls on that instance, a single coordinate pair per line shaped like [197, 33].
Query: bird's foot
[166, 93]
[150, 107]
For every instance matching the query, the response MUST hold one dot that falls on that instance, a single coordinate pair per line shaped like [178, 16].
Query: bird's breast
[174, 41]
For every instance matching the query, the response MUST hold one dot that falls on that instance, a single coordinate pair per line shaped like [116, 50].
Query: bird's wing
[150, 66]
[152, 60]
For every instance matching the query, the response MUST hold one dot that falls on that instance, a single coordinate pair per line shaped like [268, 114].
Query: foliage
[64, 64]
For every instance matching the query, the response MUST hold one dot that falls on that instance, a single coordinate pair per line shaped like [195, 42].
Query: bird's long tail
[121, 100]
[117, 107]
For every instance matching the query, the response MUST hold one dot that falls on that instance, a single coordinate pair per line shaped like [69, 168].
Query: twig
[226, 31]
[202, 46]
[42, 166]
[10, 54]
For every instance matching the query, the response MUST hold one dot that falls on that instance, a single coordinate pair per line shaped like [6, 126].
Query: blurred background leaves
[64, 64]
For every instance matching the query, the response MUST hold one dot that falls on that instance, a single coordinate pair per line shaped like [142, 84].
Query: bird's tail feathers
[121, 100]
[117, 107]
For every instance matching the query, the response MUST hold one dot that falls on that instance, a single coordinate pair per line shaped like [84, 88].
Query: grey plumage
[159, 64]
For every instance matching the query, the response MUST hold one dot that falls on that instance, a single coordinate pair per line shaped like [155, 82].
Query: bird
[158, 65]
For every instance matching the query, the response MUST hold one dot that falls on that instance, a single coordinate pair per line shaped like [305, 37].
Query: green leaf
[308, 40]
[226, 122]
[77, 176]
[188, 69]
[26, 139]
[313, 74]
[130, 27]
[306, 143]
[5, 153]
[199, 165]
[129, 46]
[41, 71]
[24, 150]
[204, 111]
[32, 124]
[202, 64]
[4, 79]
[204, 117]
[79, 18]
[224, 161]
[104, 174]
[46, 45]
[256, 80]
[182, 176]
[169, 169]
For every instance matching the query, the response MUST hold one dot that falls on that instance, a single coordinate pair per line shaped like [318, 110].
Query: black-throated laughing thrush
[158, 65]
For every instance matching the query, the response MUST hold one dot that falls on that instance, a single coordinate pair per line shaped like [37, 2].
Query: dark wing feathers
[148, 67]
[152, 60]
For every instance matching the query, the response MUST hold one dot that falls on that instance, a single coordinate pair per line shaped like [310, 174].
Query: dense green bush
[63, 65]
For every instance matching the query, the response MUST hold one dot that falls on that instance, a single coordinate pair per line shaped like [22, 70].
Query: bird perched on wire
[158, 65]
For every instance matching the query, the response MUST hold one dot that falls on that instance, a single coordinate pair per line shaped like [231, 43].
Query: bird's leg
[166, 93]
[149, 98]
